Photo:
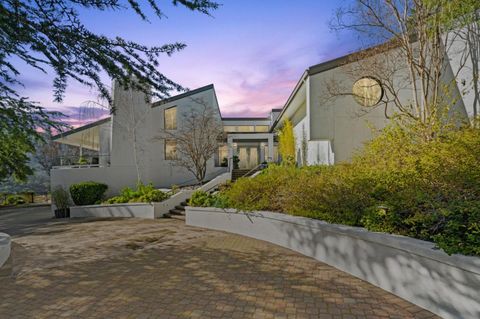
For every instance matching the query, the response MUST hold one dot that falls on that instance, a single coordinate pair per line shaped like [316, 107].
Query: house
[327, 131]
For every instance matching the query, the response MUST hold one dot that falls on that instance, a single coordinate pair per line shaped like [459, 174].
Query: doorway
[248, 156]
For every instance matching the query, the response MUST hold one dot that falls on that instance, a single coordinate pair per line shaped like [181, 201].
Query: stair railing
[259, 166]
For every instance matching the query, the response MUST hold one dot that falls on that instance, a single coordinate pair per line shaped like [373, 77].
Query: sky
[254, 52]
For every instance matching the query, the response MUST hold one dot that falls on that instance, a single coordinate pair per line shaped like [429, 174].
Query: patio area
[164, 269]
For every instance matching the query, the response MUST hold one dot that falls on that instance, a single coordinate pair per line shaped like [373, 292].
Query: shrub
[201, 198]
[87, 193]
[61, 198]
[143, 194]
[286, 143]
[399, 183]
[12, 200]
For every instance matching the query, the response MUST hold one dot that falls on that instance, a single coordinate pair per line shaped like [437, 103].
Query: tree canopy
[48, 35]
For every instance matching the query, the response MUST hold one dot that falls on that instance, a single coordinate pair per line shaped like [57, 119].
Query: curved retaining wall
[5, 244]
[448, 286]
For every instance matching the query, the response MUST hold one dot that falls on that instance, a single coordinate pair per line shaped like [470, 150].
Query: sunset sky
[252, 51]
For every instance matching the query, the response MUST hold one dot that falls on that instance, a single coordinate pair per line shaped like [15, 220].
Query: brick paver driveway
[164, 269]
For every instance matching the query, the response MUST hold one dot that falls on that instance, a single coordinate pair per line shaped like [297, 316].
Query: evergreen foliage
[286, 143]
[48, 35]
[87, 193]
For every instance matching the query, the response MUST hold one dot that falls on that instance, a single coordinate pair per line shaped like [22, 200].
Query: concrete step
[184, 204]
[180, 207]
[177, 212]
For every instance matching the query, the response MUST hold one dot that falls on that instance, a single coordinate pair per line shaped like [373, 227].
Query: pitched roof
[182, 95]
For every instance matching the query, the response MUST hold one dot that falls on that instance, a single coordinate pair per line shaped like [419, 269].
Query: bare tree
[46, 153]
[410, 41]
[196, 139]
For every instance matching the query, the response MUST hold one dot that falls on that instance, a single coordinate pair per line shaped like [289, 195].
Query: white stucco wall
[5, 248]
[136, 126]
[412, 269]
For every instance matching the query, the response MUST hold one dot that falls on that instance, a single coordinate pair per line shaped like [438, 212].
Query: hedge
[87, 193]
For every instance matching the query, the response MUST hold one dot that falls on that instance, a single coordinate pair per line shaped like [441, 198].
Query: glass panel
[246, 128]
[261, 128]
[171, 118]
[229, 128]
[243, 157]
[253, 160]
[275, 153]
[222, 158]
[367, 91]
[170, 150]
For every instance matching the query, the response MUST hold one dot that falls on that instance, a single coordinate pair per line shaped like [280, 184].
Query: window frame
[165, 153]
[165, 118]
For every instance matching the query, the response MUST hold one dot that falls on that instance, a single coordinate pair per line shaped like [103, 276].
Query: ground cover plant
[401, 183]
[143, 194]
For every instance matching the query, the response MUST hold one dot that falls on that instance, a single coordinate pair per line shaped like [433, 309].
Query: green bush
[143, 194]
[61, 198]
[400, 183]
[201, 198]
[87, 193]
[12, 200]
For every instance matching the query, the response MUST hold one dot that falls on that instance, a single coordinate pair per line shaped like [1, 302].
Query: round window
[367, 91]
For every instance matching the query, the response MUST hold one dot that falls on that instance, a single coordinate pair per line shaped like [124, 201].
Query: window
[170, 150]
[221, 158]
[246, 128]
[239, 128]
[171, 118]
[261, 128]
[367, 91]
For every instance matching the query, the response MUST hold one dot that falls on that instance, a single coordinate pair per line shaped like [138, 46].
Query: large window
[221, 158]
[171, 118]
[170, 150]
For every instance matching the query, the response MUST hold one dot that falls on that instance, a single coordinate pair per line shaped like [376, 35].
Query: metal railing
[259, 167]
[77, 161]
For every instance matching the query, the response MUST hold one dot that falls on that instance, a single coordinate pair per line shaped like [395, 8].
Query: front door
[248, 157]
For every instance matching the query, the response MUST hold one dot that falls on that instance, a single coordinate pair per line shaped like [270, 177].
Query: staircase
[237, 173]
[179, 211]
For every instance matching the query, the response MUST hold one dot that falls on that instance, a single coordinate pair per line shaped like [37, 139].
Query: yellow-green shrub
[399, 183]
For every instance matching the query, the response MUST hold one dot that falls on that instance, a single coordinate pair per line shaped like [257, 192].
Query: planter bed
[132, 210]
[448, 286]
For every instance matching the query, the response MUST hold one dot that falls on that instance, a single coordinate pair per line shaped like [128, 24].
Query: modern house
[328, 131]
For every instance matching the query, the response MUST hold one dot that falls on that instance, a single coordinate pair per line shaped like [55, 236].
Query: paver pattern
[164, 269]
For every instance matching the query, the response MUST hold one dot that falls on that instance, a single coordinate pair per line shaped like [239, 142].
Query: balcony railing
[84, 161]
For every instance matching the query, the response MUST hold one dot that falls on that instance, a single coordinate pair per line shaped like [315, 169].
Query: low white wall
[5, 244]
[165, 206]
[133, 210]
[448, 286]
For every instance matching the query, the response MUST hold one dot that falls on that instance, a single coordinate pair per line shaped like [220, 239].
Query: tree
[48, 35]
[410, 40]
[46, 153]
[197, 139]
[286, 143]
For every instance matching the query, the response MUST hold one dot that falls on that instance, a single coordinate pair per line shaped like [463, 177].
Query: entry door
[248, 157]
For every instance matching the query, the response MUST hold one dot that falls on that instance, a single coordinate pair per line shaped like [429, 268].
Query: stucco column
[230, 152]
[270, 148]
[262, 153]
[104, 147]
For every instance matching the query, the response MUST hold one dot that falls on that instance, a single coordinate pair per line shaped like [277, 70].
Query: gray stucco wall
[137, 126]
[339, 120]
[412, 269]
